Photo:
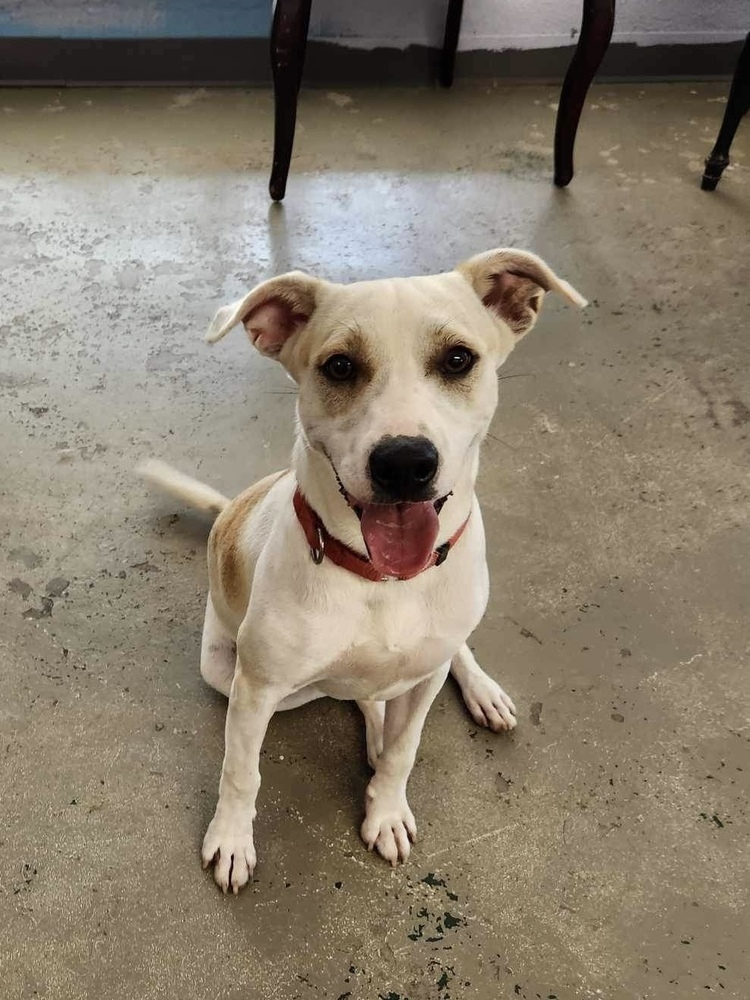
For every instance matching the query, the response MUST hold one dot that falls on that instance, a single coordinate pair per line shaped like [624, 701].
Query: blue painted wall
[487, 24]
[135, 18]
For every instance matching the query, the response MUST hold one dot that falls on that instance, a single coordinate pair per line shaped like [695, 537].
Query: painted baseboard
[237, 61]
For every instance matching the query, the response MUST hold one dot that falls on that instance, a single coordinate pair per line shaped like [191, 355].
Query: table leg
[291, 20]
[737, 106]
[450, 41]
[596, 31]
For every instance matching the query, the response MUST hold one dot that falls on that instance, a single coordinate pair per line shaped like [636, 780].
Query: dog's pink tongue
[400, 537]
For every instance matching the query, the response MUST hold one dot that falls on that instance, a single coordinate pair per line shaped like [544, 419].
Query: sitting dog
[360, 572]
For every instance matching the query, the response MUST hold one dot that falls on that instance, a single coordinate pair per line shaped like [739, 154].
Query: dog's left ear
[512, 283]
[272, 313]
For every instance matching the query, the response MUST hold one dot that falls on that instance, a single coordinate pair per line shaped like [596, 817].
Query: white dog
[360, 572]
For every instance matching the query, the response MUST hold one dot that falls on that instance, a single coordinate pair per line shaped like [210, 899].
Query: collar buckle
[442, 553]
[318, 551]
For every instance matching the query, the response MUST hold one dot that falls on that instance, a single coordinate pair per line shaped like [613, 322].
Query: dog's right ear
[272, 314]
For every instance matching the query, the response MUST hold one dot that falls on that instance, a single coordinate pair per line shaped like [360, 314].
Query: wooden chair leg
[596, 31]
[291, 20]
[450, 41]
[737, 107]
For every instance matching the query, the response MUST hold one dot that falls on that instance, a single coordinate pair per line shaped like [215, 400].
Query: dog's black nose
[403, 468]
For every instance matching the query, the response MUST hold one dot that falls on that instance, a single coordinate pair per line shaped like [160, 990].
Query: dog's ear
[272, 313]
[512, 283]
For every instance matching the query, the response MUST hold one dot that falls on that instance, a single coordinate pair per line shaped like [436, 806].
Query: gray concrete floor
[600, 852]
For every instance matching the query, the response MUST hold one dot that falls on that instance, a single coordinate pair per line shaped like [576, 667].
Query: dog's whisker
[517, 375]
[501, 441]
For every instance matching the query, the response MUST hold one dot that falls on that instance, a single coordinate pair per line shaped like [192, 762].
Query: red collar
[322, 544]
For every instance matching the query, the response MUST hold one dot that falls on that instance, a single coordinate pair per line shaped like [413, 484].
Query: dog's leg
[488, 704]
[218, 652]
[374, 713]
[229, 838]
[389, 823]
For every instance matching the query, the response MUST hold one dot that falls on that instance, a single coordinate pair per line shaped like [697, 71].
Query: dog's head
[397, 377]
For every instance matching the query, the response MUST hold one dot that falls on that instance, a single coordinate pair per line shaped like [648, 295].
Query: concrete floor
[599, 852]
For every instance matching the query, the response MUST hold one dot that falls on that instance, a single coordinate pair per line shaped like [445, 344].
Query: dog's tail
[183, 487]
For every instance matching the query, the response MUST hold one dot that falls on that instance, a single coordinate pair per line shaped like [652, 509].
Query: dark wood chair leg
[596, 31]
[450, 41]
[737, 107]
[291, 20]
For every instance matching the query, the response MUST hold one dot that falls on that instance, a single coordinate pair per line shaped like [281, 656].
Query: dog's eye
[339, 368]
[457, 361]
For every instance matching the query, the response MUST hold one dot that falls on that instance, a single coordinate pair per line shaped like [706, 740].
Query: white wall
[525, 24]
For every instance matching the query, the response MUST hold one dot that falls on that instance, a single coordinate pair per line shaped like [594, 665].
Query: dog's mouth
[399, 537]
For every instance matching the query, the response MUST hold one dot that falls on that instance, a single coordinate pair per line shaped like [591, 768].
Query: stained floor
[599, 852]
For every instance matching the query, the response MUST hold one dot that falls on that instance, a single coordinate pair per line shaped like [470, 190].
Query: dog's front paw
[488, 704]
[389, 827]
[228, 844]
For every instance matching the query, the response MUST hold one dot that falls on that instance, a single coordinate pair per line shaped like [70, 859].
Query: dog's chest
[396, 643]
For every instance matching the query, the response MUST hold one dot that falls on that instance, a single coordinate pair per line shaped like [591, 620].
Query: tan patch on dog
[438, 344]
[338, 397]
[226, 564]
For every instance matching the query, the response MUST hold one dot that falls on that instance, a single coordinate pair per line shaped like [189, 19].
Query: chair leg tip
[714, 167]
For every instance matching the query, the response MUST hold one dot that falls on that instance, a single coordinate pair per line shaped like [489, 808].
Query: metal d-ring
[319, 551]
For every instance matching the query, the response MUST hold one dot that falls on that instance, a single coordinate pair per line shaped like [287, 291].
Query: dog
[360, 572]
